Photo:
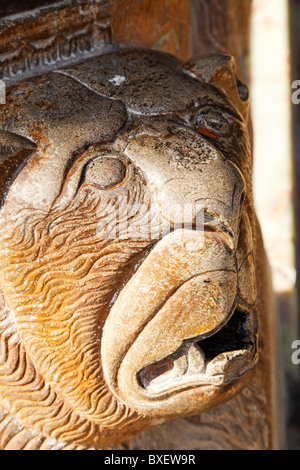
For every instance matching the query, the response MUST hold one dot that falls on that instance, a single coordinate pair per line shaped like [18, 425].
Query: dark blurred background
[11, 7]
[275, 65]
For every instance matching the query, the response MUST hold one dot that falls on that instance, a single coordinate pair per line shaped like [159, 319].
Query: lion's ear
[219, 70]
[15, 151]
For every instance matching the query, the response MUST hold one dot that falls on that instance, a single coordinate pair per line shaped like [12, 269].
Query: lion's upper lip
[213, 224]
[222, 228]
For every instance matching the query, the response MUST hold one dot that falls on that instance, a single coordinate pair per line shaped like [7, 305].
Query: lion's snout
[193, 184]
[186, 201]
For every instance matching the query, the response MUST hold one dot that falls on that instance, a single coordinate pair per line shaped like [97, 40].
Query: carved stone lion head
[127, 261]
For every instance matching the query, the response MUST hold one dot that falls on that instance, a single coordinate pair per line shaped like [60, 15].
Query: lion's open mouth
[186, 326]
[216, 360]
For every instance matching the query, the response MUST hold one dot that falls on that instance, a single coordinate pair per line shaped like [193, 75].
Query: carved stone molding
[71, 30]
[34, 41]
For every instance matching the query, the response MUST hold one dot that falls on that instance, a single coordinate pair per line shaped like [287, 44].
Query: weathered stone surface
[128, 248]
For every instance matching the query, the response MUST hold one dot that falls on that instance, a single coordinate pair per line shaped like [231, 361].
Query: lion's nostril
[242, 199]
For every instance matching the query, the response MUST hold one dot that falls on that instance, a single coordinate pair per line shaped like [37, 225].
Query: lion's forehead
[149, 83]
[93, 102]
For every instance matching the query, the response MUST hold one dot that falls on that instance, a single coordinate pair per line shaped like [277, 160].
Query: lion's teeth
[180, 366]
[196, 359]
[230, 364]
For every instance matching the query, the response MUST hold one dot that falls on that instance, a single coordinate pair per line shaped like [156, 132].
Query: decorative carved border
[64, 32]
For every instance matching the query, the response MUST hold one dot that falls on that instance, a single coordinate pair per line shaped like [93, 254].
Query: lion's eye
[213, 123]
[105, 172]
